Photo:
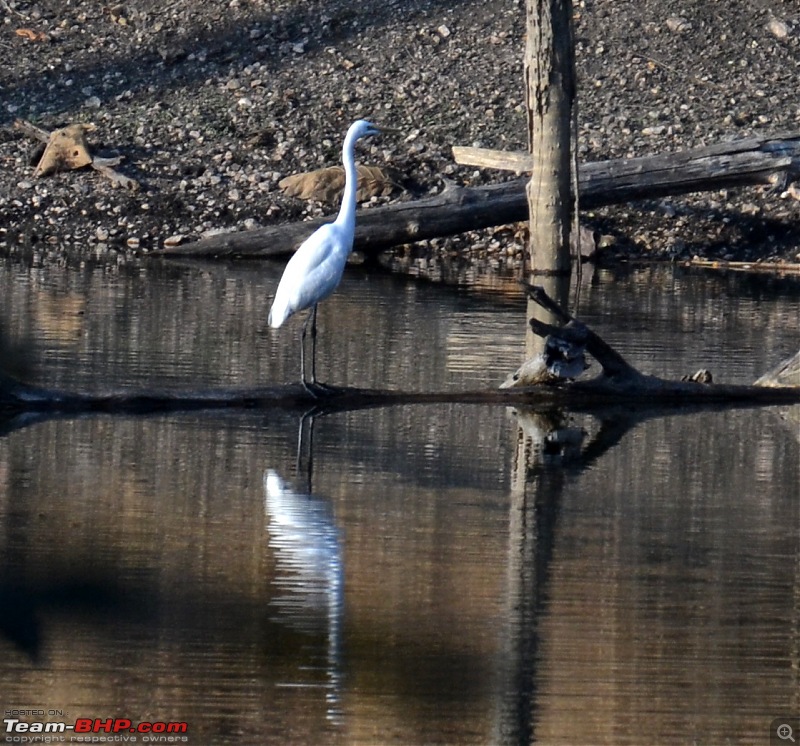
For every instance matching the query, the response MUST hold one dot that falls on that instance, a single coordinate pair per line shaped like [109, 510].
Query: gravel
[211, 104]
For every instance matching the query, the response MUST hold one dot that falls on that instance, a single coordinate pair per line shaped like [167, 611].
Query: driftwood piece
[721, 264]
[519, 163]
[67, 149]
[31, 130]
[614, 365]
[106, 167]
[769, 161]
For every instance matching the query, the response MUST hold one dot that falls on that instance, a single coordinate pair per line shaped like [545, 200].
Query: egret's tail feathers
[278, 314]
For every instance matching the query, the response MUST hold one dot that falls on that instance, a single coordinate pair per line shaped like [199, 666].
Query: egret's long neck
[347, 212]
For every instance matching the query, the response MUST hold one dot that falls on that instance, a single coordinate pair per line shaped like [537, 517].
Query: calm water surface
[443, 575]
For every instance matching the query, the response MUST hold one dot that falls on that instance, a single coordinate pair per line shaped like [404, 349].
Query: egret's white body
[313, 272]
[316, 268]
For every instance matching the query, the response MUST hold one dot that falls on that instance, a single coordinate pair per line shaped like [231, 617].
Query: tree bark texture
[550, 90]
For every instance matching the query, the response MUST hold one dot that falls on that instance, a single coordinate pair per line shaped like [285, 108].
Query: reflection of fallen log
[756, 161]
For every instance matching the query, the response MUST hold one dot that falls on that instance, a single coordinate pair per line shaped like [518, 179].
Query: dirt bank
[212, 103]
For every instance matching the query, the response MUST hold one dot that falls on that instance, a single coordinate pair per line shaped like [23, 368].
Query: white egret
[316, 268]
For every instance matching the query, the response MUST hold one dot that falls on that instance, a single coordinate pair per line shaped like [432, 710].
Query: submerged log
[619, 385]
[770, 161]
[22, 404]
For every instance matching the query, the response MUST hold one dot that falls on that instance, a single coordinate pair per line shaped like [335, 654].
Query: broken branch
[621, 378]
[614, 365]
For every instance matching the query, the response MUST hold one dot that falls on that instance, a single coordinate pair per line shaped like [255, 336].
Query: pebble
[779, 29]
[678, 24]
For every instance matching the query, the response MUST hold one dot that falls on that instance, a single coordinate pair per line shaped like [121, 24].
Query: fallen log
[619, 385]
[22, 404]
[770, 161]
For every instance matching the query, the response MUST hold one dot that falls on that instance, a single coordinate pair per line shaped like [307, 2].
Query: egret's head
[363, 128]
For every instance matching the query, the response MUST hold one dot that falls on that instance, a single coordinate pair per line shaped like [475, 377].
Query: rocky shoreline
[210, 105]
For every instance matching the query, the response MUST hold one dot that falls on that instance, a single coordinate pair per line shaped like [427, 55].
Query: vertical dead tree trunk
[550, 89]
[550, 92]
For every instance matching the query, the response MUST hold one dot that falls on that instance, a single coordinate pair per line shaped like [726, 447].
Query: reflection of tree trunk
[534, 513]
[548, 452]
[796, 646]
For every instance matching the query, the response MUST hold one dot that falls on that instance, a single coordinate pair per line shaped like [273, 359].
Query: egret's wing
[312, 252]
[312, 273]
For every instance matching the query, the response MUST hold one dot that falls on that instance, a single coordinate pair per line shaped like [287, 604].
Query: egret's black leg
[303, 378]
[314, 345]
[312, 387]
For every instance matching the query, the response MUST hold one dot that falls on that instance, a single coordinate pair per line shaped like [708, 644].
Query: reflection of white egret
[309, 572]
[315, 269]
